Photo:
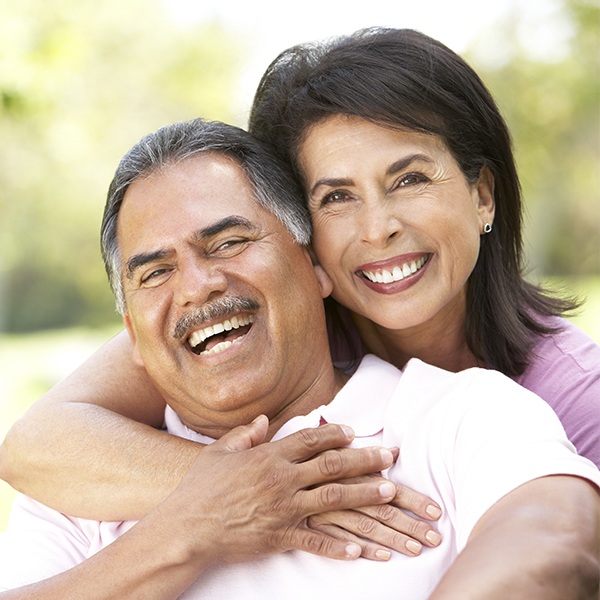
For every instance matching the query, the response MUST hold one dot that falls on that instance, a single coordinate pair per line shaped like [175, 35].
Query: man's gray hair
[275, 188]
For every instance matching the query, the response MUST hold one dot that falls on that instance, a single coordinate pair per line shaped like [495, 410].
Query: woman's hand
[379, 529]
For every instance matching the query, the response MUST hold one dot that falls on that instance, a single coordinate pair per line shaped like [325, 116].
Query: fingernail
[353, 550]
[387, 489]
[348, 431]
[433, 511]
[413, 546]
[433, 537]
[386, 455]
[382, 554]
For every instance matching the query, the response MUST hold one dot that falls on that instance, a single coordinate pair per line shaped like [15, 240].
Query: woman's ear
[137, 358]
[486, 204]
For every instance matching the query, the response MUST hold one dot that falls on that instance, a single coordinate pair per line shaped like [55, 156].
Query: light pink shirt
[564, 371]
[459, 443]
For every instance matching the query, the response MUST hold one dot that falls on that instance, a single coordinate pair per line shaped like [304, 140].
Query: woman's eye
[411, 179]
[334, 197]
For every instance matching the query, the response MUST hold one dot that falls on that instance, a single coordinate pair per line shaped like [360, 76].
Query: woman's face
[396, 225]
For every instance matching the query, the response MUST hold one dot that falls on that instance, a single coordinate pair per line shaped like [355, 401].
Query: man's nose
[195, 284]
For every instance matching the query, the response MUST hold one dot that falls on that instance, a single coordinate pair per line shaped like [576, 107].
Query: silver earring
[487, 228]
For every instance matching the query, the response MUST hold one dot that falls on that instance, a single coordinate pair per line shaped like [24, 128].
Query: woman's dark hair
[401, 78]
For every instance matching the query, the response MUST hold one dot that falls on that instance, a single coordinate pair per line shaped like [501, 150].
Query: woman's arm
[90, 448]
[95, 432]
[541, 541]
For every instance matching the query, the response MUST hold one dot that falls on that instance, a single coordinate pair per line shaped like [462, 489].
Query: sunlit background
[81, 81]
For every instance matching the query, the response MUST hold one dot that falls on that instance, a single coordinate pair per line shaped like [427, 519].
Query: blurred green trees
[552, 104]
[81, 81]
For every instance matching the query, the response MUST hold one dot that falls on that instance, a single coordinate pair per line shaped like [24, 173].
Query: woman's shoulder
[567, 348]
[565, 372]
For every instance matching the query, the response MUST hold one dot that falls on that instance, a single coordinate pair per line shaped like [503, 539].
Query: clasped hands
[243, 497]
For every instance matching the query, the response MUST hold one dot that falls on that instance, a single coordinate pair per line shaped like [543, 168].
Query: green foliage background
[80, 82]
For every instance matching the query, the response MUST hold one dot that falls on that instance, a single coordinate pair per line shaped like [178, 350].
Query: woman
[407, 165]
[384, 128]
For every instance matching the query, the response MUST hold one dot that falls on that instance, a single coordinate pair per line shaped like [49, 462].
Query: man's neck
[316, 386]
[323, 390]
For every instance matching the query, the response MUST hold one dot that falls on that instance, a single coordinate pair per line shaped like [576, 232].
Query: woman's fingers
[377, 529]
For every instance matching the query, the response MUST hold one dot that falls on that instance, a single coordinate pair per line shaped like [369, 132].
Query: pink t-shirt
[566, 374]
[564, 371]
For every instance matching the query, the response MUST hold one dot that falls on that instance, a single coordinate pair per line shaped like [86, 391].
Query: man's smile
[219, 336]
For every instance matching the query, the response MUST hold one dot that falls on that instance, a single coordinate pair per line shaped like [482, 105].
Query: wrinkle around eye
[413, 179]
[154, 277]
[330, 202]
[230, 247]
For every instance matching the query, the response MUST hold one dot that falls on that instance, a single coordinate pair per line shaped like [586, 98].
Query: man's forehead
[214, 182]
[199, 193]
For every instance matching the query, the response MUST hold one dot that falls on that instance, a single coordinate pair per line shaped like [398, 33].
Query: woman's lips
[394, 274]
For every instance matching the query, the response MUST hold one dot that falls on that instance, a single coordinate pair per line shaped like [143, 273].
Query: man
[224, 307]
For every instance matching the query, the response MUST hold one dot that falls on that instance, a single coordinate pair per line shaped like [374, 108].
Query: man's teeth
[221, 346]
[397, 273]
[234, 323]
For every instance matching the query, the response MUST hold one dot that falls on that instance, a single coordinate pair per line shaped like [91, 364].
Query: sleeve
[505, 436]
[39, 543]
[566, 374]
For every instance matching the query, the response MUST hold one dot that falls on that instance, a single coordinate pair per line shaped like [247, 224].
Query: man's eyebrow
[399, 165]
[139, 260]
[144, 258]
[224, 224]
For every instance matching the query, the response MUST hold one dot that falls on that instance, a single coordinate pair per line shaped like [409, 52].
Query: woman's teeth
[398, 273]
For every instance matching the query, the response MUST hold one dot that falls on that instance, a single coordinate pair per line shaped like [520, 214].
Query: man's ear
[137, 358]
[486, 204]
[325, 283]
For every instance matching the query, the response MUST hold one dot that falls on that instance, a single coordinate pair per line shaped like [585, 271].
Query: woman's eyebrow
[401, 164]
[331, 182]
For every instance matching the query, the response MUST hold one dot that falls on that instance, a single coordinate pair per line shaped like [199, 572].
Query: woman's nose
[379, 223]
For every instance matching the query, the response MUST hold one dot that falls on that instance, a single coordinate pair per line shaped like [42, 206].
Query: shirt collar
[360, 404]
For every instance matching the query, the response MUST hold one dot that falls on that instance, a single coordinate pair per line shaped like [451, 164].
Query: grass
[32, 363]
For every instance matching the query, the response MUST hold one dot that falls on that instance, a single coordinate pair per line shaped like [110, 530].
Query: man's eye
[231, 246]
[153, 275]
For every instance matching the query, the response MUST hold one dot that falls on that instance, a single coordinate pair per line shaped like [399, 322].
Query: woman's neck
[441, 343]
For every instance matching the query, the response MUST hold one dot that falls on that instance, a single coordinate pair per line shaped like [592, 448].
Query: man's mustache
[215, 309]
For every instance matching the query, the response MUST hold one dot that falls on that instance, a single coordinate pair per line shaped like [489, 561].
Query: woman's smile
[407, 268]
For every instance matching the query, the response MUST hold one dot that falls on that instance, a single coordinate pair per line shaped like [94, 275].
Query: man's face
[225, 310]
